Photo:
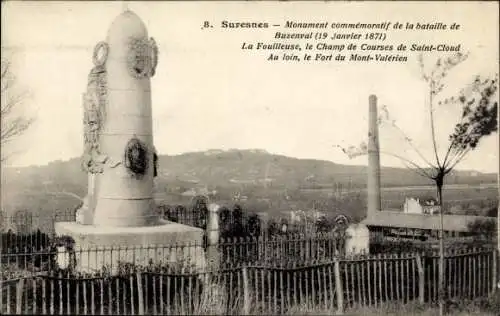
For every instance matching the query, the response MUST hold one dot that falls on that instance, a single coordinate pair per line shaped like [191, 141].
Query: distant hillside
[258, 166]
[216, 169]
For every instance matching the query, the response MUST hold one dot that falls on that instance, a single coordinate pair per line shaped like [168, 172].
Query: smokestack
[374, 204]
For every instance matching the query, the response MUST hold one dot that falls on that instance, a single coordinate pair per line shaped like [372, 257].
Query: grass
[214, 302]
[484, 307]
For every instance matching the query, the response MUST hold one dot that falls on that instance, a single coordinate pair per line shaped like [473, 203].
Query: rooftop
[421, 221]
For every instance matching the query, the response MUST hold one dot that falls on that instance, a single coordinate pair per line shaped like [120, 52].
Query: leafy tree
[273, 227]
[254, 225]
[325, 224]
[478, 104]
[492, 212]
[178, 213]
[237, 223]
[225, 222]
[199, 211]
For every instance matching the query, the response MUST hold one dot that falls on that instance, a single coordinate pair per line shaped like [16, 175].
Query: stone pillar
[85, 214]
[120, 158]
[213, 235]
[125, 198]
[373, 183]
[92, 189]
[90, 200]
[357, 239]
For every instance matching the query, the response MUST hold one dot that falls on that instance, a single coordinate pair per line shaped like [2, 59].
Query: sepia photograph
[250, 158]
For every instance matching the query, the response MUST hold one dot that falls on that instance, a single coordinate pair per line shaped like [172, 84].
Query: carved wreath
[100, 54]
[142, 58]
[136, 157]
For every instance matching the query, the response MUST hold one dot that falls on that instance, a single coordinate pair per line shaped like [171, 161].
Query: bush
[483, 229]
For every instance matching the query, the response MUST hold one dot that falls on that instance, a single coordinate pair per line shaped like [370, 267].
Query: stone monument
[119, 155]
[358, 239]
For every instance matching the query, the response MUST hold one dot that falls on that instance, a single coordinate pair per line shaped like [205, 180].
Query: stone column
[121, 160]
[373, 183]
[213, 235]
[125, 198]
[91, 200]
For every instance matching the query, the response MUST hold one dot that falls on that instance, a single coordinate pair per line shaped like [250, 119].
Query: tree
[478, 107]
[237, 222]
[13, 122]
[483, 229]
[225, 222]
[199, 211]
[253, 226]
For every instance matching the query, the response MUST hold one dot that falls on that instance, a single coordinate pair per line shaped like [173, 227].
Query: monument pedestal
[108, 246]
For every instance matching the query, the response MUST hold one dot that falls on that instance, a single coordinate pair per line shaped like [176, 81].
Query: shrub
[483, 229]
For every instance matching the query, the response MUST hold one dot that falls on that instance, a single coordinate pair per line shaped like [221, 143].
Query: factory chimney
[373, 183]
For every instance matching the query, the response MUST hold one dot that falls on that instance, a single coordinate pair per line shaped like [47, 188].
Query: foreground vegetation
[484, 306]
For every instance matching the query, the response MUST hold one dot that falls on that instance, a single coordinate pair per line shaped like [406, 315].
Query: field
[464, 200]
[473, 198]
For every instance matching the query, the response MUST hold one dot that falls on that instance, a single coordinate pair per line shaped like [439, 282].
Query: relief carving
[142, 58]
[94, 103]
[137, 157]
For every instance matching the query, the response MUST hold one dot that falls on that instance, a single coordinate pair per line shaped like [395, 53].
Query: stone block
[166, 243]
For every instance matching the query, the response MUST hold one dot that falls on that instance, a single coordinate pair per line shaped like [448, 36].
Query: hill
[255, 171]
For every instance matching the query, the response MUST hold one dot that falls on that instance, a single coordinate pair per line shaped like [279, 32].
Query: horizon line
[261, 150]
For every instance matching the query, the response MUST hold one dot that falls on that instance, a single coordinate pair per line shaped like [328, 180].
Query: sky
[210, 94]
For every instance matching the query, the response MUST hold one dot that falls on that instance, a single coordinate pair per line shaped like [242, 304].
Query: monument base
[167, 243]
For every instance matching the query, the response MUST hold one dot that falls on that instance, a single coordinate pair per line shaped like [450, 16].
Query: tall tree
[13, 121]
[478, 107]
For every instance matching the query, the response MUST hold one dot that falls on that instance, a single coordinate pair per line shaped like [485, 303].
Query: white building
[416, 206]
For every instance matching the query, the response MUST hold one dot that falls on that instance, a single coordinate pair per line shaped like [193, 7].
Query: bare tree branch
[459, 157]
[361, 152]
[433, 130]
[13, 124]
[406, 137]
[448, 152]
[415, 166]
[417, 171]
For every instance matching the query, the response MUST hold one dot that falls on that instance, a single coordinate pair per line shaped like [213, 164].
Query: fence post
[1, 294]
[213, 234]
[421, 278]
[495, 280]
[19, 296]
[338, 287]
[140, 297]
[246, 292]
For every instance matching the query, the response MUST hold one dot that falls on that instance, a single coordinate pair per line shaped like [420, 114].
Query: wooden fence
[330, 283]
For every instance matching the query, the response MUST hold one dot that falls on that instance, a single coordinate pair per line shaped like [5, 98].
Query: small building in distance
[388, 224]
[421, 206]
